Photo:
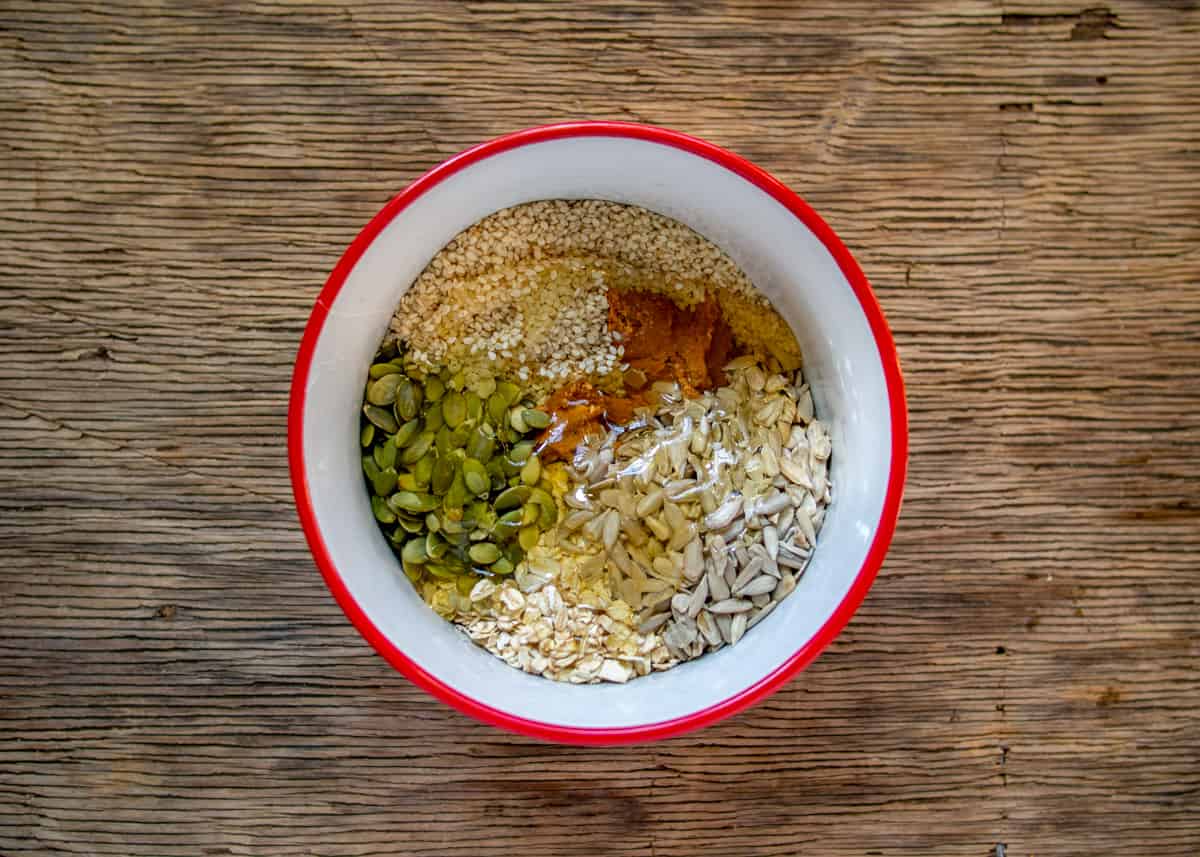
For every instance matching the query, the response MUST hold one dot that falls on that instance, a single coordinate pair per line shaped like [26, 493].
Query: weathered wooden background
[1021, 181]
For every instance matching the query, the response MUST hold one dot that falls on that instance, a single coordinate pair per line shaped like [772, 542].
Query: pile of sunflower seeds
[706, 514]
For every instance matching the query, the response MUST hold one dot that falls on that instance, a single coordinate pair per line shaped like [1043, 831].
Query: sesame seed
[523, 291]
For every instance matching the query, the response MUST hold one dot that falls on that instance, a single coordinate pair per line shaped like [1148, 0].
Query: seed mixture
[590, 443]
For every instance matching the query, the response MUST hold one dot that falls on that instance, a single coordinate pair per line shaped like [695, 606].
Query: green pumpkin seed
[462, 434]
[532, 471]
[510, 391]
[511, 498]
[485, 553]
[505, 532]
[501, 567]
[380, 369]
[407, 432]
[383, 514]
[370, 468]
[535, 419]
[383, 391]
[528, 537]
[482, 444]
[435, 388]
[475, 477]
[436, 546]
[442, 571]
[433, 417]
[398, 536]
[456, 495]
[457, 381]
[443, 442]
[548, 514]
[483, 439]
[511, 517]
[516, 418]
[366, 435]
[529, 514]
[410, 525]
[381, 418]
[443, 474]
[454, 409]
[508, 525]
[414, 552]
[520, 452]
[423, 469]
[413, 572]
[486, 520]
[433, 523]
[465, 583]
[408, 399]
[417, 449]
[497, 407]
[474, 407]
[407, 482]
[385, 454]
[484, 387]
[385, 482]
[411, 501]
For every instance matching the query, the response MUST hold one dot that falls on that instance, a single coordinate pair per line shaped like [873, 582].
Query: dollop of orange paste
[663, 342]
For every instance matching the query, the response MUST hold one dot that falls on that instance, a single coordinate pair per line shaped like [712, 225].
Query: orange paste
[662, 342]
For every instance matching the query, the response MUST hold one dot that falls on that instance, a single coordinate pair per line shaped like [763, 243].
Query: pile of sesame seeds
[523, 291]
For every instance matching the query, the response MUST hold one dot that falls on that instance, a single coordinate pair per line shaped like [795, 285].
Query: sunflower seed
[674, 517]
[612, 528]
[698, 597]
[804, 406]
[717, 587]
[751, 571]
[653, 623]
[737, 628]
[633, 531]
[724, 515]
[785, 587]
[760, 615]
[760, 585]
[777, 502]
[577, 500]
[707, 626]
[693, 561]
[795, 472]
[730, 605]
[805, 525]
[771, 541]
[725, 626]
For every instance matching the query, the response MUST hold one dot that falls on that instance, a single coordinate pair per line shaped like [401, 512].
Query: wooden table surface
[1020, 181]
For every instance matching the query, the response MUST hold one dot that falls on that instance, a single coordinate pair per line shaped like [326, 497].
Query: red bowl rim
[896, 401]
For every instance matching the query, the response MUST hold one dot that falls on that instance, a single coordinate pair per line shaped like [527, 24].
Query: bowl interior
[784, 259]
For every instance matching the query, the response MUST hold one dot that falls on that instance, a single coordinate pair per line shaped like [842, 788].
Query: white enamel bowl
[786, 249]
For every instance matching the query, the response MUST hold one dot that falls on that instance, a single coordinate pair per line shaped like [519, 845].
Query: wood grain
[1021, 182]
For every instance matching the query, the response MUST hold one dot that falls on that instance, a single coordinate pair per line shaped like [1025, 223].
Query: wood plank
[1020, 181]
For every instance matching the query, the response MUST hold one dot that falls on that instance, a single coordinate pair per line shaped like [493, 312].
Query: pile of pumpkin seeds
[455, 482]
